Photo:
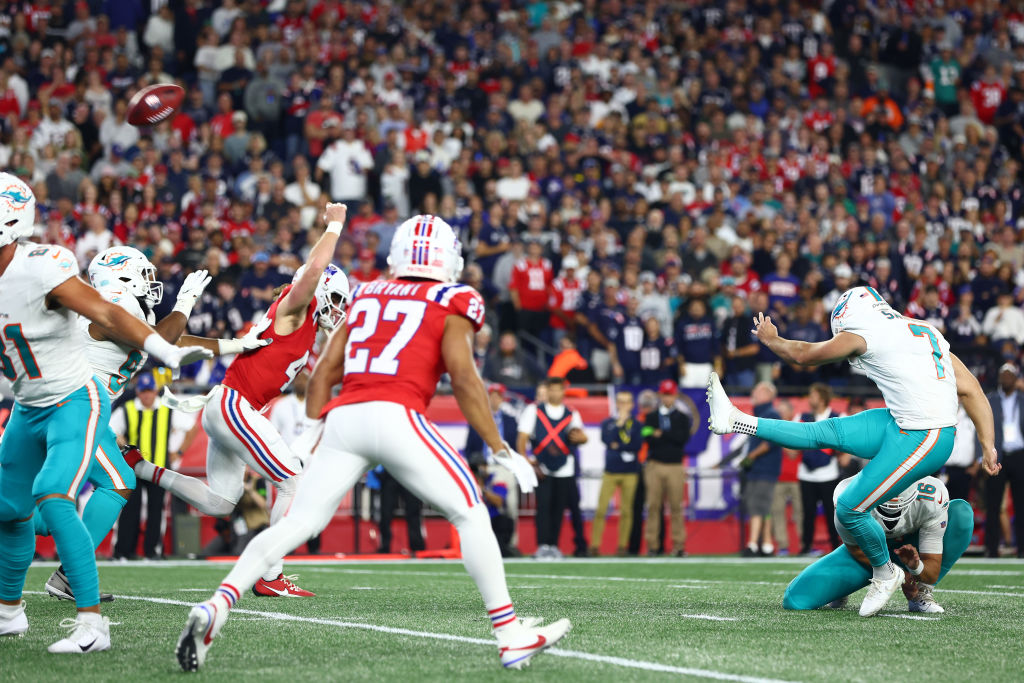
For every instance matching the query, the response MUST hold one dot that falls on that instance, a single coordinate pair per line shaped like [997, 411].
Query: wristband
[184, 305]
[334, 227]
[227, 347]
[916, 571]
[155, 345]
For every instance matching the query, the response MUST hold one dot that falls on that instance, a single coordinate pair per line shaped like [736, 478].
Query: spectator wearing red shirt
[565, 295]
[531, 280]
[221, 124]
[987, 94]
[367, 270]
[820, 70]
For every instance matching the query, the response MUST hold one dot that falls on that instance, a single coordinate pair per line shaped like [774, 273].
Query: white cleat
[204, 623]
[518, 649]
[722, 411]
[879, 593]
[925, 601]
[13, 621]
[90, 632]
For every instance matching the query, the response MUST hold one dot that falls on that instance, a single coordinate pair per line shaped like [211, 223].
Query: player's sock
[101, 512]
[482, 558]
[884, 572]
[18, 542]
[285, 494]
[74, 545]
[189, 489]
[743, 423]
[798, 435]
[228, 594]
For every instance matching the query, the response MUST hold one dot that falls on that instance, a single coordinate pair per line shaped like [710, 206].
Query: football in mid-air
[155, 104]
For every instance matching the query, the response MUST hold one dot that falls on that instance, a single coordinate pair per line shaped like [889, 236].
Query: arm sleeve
[528, 420]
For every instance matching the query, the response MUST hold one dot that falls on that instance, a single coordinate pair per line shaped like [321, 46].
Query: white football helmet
[332, 296]
[427, 247]
[17, 209]
[129, 268]
[852, 303]
[891, 509]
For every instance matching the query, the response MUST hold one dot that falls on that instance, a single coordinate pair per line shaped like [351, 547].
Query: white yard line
[708, 617]
[966, 592]
[558, 652]
[909, 616]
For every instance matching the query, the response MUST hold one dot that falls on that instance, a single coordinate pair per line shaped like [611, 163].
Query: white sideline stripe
[550, 577]
[996, 585]
[685, 586]
[193, 590]
[709, 617]
[910, 616]
[966, 592]
[986, 572]
[556, 651]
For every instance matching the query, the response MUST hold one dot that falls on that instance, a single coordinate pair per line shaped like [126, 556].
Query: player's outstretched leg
[189, 489]
[859, 434]
[829, 579]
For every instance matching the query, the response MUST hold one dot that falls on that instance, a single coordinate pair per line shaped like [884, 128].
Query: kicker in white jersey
[907, 359]
[55, 364]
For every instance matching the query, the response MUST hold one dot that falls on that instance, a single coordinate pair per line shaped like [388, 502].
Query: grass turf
[632, 610]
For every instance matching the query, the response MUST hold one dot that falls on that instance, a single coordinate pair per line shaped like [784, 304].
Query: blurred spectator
[696, 339]
[495, 474]
[1004, 321]
[787, 491]
[621, 436]
[509, 365]
[818, 474]
[347, 162]
[739, 345]
[961, 468]
[1009, 420]
[531, 282]
[763, 464]
[626, 348]
[496, 497]
[657, 356]
[553, 432]
[666, 431]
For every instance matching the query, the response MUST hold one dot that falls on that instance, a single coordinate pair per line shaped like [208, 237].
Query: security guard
[146, 423]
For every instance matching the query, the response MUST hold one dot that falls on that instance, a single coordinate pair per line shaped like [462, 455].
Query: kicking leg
[831, 577]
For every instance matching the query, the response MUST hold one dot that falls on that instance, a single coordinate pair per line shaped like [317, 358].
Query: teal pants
[838, 574]
[896, 459]
[45, 456]
[109, 476]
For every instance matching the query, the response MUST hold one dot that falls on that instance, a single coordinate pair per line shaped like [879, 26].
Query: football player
[239, 434]
[401, 335]
[124, 276]
[910, 362]
[59, 414]
[926, 534]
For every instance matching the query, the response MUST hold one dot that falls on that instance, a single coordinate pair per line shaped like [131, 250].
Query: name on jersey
[389, 288]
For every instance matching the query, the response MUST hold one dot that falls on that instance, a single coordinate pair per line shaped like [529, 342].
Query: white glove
[518, 466]
[189, 404]
[191, 289]
[241, 345]
[174, 356]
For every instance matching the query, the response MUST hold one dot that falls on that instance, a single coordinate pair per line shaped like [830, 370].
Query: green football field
[702, 618]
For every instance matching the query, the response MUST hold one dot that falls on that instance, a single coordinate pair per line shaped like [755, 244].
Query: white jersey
[927, 516]
[42, 353]
[113, 363]
[907, 359]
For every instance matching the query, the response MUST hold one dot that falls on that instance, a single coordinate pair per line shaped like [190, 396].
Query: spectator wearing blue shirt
[782, 286]
[658, 355]
[739, 345]
[766, 362]
[610, 317]
[697, 342]
[259, 283]
[802, 328]
[622, 439]
[763, 464]
[493, 241]
[588, 337]
[627, 340]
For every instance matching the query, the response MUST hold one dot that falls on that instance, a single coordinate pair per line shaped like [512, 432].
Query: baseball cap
[496, 386]
[145, 382]
[570, 261]
[1010, 368]
[843, 270]
[667, 386]
[261, 257]
[367, 255]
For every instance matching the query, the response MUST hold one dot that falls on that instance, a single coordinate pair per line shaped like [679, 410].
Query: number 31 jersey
[395, 328]
[113, 363]
[41, 351]
[907, 359]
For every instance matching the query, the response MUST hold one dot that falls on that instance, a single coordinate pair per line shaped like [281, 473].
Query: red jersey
[531, 280]
[565, 295]
[986, 98]
[262, 374]
[394, 340]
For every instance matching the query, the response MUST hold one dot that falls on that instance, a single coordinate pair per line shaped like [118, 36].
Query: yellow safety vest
[149, 437]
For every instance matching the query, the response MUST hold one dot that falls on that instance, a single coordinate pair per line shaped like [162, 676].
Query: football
[155, 104]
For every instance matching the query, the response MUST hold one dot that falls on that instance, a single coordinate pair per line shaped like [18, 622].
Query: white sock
[768, 549]
[283, 500]
[10, 611]
[482, 558]
[743, 423]
[752, 546]
[91, 618]
[189, 489]
[884, 572]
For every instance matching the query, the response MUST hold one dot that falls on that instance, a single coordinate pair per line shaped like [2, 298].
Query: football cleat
[722, 413]
[281, 586]
[516, 650]
[90, 632]
[924, 601]
[204, 623]
[879, 593]
[132, 455]
[57, 586]
[13, 621]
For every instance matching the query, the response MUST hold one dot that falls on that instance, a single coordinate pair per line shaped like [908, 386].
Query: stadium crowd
[630, 179]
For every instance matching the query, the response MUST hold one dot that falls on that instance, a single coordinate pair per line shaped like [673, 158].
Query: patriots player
[59, 414]
[239, 434]
[926, 534]
[401, 335]
[920, 380]
[124, 276]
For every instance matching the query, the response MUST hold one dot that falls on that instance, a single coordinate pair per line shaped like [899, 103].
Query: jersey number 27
[386, 362]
